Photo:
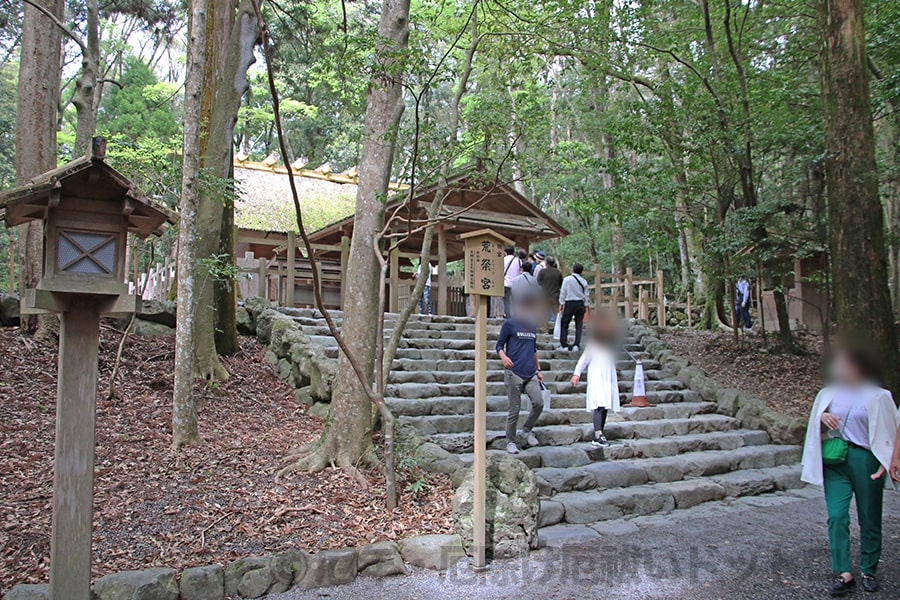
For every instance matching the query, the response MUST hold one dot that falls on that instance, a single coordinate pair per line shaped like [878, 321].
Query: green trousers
[854, 476]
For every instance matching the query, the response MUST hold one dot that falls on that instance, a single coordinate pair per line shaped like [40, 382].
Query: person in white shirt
[425, 307]
[599, 358]
[574, 302]
[858, 420]
[512, 267]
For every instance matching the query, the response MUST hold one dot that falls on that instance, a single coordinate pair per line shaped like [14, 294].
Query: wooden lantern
[88, 209]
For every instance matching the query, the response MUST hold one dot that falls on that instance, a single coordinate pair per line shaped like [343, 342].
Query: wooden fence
[289, 283]
[156, 283]
[630, 296]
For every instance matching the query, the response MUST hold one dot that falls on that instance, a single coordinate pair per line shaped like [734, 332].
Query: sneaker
[561, 349]
[869, 583]
[529, 437]
[576, 348]
[841, 587]
[512, 448]
[601, 441]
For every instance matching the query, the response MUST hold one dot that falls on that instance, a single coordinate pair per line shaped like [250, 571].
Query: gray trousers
[515, 385]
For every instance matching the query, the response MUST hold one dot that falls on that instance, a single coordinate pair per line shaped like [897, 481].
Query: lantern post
[484, 252]
[88, 209]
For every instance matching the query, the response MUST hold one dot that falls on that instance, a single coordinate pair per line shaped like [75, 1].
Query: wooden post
[12, 264]
[345, 260]
[279, 285]
[690, 312]
[262, 283]
[291, 268]
[394, 304]
[660, 300]
[480, 467]
[443, 300]
[643, 304]
[73, 473]
[484, 280]
[629, 294]
[345, 254]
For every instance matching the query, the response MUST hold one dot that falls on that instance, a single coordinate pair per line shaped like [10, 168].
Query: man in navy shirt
[517, 347]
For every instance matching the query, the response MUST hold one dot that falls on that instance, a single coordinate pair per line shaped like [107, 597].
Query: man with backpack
[574, 302]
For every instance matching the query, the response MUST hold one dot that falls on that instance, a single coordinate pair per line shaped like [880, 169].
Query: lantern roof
[90, 179]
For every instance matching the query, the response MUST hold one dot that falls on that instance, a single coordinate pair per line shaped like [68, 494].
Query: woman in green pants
[856, 409]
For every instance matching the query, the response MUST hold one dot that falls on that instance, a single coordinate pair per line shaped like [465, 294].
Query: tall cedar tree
[862, 301]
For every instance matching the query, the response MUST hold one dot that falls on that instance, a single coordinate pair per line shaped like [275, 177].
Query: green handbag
[835, 449]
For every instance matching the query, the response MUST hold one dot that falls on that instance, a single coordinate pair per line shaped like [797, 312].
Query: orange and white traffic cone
[638, 392]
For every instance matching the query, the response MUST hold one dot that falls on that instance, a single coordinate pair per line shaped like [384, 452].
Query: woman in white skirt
[599, 358]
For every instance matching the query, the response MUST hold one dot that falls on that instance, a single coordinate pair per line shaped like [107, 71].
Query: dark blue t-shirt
[520, 343]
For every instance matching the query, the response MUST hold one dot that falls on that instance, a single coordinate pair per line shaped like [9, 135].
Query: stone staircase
[675, 455]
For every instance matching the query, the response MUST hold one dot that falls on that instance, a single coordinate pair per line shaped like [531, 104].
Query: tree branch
[62, 26]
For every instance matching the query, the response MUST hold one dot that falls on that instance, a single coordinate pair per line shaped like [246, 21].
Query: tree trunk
[785, 337]
[36, 117]
[347, 439]
[859, 273]
[85, 98]
[184, 409]
[230, 42]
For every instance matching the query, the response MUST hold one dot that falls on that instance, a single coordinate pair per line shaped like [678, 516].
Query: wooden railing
[630, 296]
[156, 282]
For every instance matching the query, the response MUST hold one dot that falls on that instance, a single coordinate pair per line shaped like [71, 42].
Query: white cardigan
[602, 383]
[884, 420]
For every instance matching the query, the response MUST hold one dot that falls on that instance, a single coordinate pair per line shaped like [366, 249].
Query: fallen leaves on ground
[785, 382]
[207, 504]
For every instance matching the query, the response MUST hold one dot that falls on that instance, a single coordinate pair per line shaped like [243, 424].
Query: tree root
[210, 369]
[311, 461]
[313, 458]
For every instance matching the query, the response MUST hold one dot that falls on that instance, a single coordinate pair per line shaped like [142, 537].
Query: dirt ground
[211, 503]
[786, 382]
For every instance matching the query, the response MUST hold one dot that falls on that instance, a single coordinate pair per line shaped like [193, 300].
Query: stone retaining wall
[258, 576]
[750, 410]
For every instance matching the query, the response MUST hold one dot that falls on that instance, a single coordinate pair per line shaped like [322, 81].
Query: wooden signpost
[88, 209]
[485, 250]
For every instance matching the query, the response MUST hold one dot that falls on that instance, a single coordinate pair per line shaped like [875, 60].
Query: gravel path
[754, 548]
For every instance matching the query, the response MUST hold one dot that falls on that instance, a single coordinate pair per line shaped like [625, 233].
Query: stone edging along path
[310, 371]
[258, 576]
[750, 410]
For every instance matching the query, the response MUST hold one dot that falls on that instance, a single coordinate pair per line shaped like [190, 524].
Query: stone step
[683, 457]
[586, 507]
[429, 424]
[621, 452]
[559, 400]
[419, 324]
[459, 405]
[566, 435]
[494, 375]
[408, 370]
[496, 387]
[586, 453]
[432, 348]
[571, 519]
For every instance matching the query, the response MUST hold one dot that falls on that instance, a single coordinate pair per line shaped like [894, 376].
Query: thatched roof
[264, 200]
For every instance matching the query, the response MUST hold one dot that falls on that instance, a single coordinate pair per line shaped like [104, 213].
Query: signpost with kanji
[485, 250]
